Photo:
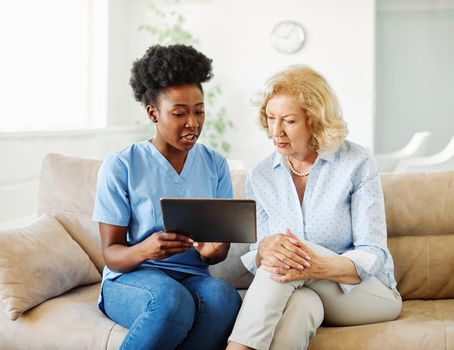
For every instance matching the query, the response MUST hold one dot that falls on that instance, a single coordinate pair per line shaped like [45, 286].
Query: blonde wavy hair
[324, 116]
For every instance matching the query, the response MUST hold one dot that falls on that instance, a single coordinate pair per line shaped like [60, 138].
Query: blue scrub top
[131, 182]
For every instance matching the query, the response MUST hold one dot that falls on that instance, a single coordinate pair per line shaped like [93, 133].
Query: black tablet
[211, 220]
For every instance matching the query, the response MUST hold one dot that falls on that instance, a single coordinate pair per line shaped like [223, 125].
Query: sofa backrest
[67, 191]
[420, 222]
[419, 210]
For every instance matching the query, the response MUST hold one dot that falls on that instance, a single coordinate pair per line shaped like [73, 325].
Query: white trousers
[280, 316]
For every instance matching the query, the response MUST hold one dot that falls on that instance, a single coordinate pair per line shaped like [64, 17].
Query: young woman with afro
[157, 283]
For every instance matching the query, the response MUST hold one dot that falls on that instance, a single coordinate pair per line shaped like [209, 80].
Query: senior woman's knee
[263, 278]
[302, 316]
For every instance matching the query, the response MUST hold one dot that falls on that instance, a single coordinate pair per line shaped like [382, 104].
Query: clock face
[287, 37]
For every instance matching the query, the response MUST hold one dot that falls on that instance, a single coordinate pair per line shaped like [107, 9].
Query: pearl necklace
[294, 171]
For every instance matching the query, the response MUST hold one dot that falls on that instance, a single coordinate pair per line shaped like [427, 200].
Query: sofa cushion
[67, 191]
[423, 324]
[239, 182]
[419, 204]
[423, 266]
[232, 269]
[420, 223]
[37, 262]
[71, 322]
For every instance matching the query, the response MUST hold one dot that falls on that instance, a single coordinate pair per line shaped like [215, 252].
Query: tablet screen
[211, 220]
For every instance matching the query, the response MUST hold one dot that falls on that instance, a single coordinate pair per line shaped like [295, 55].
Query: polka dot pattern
[342, 209]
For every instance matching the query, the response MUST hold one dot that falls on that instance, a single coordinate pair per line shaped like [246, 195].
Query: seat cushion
[423, 324]
[70, 321]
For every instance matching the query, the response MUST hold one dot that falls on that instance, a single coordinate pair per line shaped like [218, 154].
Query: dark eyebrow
[183, 105]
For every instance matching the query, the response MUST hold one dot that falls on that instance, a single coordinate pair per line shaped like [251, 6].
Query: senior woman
[322, 254]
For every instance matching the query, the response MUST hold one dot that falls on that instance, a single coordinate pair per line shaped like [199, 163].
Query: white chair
[443, 160]
[416, 147]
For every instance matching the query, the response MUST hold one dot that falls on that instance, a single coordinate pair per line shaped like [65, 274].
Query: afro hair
[164, 66]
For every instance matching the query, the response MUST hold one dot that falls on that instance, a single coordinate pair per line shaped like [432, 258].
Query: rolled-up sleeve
[368, 223]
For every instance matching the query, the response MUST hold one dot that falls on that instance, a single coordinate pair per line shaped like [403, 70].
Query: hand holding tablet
[211, 220]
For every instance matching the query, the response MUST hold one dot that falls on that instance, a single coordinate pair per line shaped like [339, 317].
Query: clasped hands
[288, 258]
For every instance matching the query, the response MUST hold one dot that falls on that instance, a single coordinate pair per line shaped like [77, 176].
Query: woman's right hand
[162, 244]
[121, 257]
[282, 250]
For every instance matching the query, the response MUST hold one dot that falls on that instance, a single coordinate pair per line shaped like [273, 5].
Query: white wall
[21, 155]
[235, 33]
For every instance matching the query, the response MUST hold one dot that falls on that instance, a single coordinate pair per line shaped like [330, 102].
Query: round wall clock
[287, 37]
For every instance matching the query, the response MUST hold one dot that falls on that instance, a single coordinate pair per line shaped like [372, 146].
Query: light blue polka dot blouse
[342, 210]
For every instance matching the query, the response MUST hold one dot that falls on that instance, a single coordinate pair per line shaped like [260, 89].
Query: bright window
[53, 64]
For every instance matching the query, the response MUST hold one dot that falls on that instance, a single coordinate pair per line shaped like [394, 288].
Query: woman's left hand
[212, 252]
[284, 275]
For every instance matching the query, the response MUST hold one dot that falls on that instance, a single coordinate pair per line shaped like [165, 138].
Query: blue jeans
[171, 310]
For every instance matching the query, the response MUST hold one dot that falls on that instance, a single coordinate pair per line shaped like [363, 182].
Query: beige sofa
[420, 217]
